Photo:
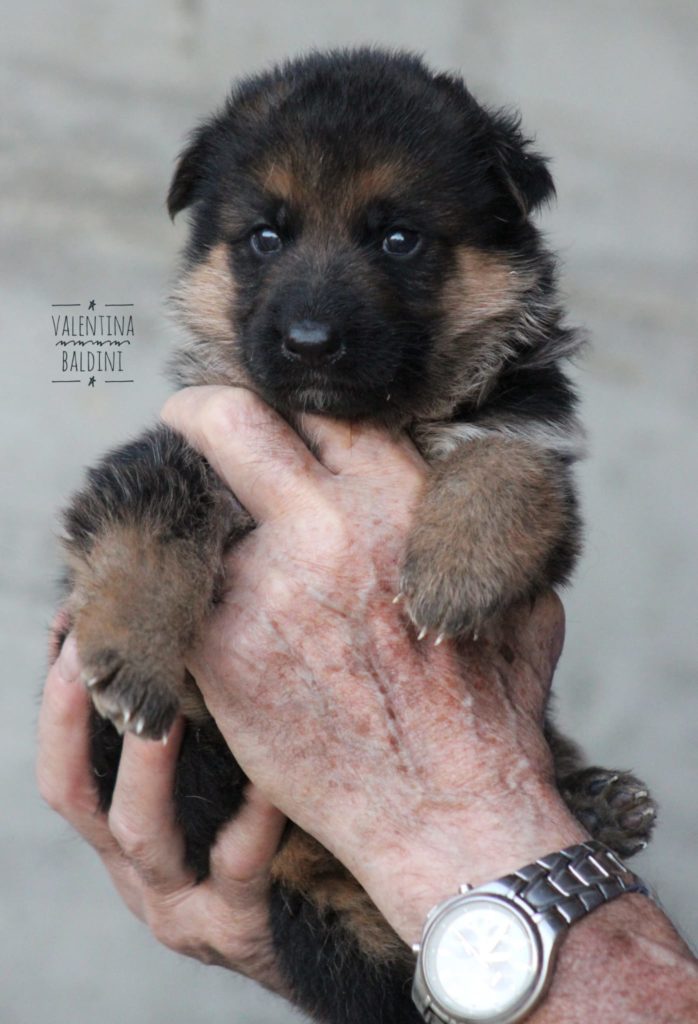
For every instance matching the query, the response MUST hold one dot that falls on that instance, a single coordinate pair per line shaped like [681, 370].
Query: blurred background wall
[96, 100]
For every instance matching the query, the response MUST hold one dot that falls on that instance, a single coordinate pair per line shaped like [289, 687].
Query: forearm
[624, 959]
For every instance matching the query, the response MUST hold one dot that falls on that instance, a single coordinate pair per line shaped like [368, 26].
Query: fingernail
[68, 663]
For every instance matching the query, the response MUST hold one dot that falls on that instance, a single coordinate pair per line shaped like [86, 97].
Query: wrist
[407, 873]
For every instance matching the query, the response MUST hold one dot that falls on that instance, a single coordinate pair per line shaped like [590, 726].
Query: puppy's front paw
[129, 696]
[444, 593]
[496, 524]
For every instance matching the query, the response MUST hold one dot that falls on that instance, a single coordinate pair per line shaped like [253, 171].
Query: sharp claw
[164, 738]
[91, 682]
[126, 715]
[476, 636]
[398, 598]
[140, 726]
[439, 639]
[641, 794]
[422, 633]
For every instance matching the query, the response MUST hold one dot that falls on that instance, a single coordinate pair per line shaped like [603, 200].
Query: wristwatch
[487, 955]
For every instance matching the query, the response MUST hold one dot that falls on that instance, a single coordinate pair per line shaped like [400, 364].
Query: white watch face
[481, 959]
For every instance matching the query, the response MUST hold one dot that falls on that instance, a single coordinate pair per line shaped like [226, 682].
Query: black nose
[311, 342]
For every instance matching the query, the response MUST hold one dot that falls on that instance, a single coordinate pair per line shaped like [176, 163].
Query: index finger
[350, 448]
[251, 447]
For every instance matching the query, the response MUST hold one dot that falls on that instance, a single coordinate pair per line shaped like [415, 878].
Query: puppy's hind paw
[614, 807]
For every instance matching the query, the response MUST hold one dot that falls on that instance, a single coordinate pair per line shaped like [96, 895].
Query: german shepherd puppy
[361, 246]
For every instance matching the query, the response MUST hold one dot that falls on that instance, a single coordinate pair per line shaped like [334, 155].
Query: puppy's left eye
[401, 242]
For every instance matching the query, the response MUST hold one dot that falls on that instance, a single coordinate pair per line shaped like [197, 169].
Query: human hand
[388, 751]
[223, 920]
[420, 767]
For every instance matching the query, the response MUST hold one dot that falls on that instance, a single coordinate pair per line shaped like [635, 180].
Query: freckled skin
[350, 574]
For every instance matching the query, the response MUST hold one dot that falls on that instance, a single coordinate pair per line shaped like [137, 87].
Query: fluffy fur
[361, 245]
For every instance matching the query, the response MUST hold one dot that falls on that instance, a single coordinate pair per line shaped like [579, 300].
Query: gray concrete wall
[96, 100]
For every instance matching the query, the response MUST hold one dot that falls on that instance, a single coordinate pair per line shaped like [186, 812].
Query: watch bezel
[542, 950]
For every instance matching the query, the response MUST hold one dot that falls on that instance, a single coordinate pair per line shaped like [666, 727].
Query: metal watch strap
[566, 885]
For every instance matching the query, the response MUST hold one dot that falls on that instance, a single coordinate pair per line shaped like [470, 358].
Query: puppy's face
[359, 238]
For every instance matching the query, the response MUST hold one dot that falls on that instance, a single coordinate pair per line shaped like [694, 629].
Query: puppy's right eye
[265, 241]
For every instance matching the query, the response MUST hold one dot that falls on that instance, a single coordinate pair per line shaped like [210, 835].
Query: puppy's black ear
[519, 169]
[190, 172]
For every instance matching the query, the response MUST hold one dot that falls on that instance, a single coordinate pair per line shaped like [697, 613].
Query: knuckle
[278, 591]
[176, 407]
[128, 835]
[170, 930]
[229, 410]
